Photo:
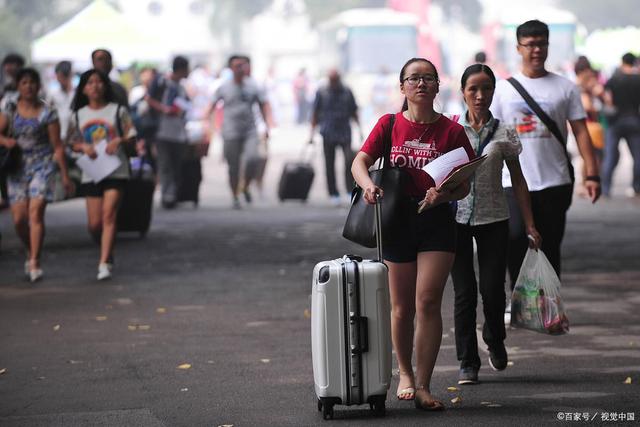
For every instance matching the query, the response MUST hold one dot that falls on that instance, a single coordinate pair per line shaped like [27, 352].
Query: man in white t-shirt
[62, 95]
[545, 162]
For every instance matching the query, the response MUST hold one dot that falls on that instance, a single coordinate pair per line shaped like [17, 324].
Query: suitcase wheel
[378, 407]
[327, 412]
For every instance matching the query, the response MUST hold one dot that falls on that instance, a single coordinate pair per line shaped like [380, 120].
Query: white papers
[441, 167]
[100, 167]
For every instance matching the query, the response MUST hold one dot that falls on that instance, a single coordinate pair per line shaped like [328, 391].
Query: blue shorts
[431, 230]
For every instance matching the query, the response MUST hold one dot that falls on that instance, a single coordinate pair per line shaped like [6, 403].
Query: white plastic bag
[536, 303]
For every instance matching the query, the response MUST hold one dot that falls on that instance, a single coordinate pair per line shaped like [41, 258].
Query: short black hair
[480, 57]
[64, 68]
[629, 59]
[234, 57]
[14, 58]
[31, 73]
[533, 28]
[180, 63]
[105, 51]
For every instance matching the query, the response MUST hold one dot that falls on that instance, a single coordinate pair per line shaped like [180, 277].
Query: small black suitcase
[190, 179]
[295, 181]
[137, 200]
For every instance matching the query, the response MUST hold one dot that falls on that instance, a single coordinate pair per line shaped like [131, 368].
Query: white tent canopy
[99, 25]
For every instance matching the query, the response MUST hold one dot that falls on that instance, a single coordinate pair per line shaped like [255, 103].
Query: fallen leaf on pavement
[132, 327]
[307, 313]
[456, 399]
[628, 380]
[56, 328]
[3, 370]
[144, 327]
[101, 318]
[452, 389]
[161, 310]
[184, 366]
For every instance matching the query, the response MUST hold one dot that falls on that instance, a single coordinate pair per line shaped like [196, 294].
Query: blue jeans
[627, 127]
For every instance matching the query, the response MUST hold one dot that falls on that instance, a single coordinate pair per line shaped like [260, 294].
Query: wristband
[594, 178]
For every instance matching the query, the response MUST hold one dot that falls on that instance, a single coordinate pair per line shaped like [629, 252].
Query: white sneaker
[35, 275]
[104, 271]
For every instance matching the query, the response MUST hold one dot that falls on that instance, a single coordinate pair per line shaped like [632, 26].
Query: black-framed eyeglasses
[427, 79]
[531, 46]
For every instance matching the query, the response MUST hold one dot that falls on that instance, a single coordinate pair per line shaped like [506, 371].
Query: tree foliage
[22, 21]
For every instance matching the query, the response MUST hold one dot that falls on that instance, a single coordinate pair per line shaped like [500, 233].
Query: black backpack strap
[119, 122]
[548, 121]
[487, 139]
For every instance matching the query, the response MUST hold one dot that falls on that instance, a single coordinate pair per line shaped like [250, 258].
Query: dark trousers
[549, 207]
[627, 127]
[170, 158]
[491, 240]
[330, 160]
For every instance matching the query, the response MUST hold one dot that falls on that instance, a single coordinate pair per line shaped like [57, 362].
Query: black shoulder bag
[10, 158]
[548, 121]
[360, 226]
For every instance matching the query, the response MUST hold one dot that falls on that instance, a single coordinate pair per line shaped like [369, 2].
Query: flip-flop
[408, 390]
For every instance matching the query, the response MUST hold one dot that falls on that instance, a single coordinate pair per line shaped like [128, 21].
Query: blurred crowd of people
[168, 118]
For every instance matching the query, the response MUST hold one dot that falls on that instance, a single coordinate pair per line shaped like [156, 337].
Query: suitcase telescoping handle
[378, 217]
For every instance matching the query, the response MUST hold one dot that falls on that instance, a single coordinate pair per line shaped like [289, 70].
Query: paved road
[225, 292]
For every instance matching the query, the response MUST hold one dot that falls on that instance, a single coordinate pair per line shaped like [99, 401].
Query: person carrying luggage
[421, 254]
[239, 133]
[484, 216]
[96, 118]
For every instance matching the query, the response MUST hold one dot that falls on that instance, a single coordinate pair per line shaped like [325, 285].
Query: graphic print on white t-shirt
[527, 123]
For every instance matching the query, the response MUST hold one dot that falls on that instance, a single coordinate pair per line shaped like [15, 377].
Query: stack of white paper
[100, 167]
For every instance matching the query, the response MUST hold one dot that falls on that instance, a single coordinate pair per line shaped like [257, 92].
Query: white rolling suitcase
[351, 332]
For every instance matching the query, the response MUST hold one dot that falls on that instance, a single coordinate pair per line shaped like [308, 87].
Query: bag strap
[119, 122]
[386, 152]
[548, 121]
[487, 139]
[12, 109]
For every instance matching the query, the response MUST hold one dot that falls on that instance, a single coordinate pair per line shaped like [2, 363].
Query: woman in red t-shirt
[420, 256]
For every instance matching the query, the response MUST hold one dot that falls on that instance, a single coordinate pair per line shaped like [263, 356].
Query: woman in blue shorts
[419, 256]
[33, 127]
